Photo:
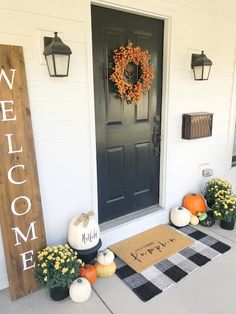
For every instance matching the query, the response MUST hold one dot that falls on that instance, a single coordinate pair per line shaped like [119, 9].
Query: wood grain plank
[30, 222]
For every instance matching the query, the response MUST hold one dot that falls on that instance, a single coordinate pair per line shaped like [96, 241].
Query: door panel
[114, 108]
[142, 168]
[116, 176]
[128, 169]
[143, 108]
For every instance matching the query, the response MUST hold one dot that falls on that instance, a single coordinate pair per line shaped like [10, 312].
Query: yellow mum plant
[213, 187]
[57, 266]
[225, 207]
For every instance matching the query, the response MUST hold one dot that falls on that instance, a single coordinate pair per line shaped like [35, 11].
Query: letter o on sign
[28, 205]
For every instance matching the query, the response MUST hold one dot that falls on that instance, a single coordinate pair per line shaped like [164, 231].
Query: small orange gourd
[195, 203]
[89, 272]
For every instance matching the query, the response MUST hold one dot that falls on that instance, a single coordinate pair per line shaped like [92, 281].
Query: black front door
[128, 155]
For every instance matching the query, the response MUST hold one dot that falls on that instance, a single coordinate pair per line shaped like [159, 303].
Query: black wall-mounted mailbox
[196, 125]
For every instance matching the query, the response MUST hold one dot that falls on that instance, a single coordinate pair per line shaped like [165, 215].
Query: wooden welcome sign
[21, 215]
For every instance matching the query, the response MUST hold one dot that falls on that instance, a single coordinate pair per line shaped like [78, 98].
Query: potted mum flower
[56, 268]
[212, 187]
[225, 210]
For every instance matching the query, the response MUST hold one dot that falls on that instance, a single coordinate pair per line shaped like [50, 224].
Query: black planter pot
[227, 225]
[208, 222]
[59, 293]
[210, 212]
[88, 255]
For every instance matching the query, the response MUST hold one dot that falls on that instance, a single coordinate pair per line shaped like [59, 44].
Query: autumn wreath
[123, 58]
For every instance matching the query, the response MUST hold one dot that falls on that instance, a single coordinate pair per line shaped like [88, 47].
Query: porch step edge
[127, 226]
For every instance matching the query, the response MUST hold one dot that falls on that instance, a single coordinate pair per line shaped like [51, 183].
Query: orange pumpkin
[195, 203]
[89, 272]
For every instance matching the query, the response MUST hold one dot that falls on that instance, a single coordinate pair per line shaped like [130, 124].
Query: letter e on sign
[21, 214]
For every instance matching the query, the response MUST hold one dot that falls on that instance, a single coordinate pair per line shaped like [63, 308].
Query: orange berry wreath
[124, 57]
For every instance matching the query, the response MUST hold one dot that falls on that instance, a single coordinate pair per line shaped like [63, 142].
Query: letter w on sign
[21, 215]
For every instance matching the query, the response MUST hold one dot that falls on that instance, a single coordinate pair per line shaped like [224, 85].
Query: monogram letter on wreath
[132, 73]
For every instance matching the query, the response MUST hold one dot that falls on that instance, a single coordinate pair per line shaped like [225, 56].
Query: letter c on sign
[9, 174]
[13, 209]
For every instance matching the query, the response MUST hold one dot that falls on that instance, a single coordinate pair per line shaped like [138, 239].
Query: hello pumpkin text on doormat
[150, 247]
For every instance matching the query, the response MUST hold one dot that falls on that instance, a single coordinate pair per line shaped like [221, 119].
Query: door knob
[156, 136]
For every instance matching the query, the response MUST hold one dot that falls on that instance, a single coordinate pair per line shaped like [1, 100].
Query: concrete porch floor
[211, 289]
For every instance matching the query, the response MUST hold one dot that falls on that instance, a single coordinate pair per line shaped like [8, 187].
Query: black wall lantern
[57, 56]
[201, 66]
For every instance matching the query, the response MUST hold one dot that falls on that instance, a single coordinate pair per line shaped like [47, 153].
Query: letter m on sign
[21, 214]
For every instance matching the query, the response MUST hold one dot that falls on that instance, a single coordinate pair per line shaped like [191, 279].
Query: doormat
[150, 247]
[166, 273]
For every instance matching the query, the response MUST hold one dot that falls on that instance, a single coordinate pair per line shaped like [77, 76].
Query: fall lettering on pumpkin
[89, 237]
[8, 116]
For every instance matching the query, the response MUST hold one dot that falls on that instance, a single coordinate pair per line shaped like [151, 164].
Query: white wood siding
[62, 109]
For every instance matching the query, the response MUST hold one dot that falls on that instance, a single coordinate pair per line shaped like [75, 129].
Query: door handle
[156, 140]
[156, 136]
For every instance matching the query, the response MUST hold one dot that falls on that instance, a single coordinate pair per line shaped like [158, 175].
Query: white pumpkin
[180, 216]
[80, 290]
[83, 232]
[105, 257]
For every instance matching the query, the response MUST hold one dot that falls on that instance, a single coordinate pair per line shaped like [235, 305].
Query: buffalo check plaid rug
[157, 278]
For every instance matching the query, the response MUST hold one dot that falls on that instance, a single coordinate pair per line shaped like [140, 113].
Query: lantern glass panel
[206, 72]
[50, 64]
[62, 64]
[198, 72]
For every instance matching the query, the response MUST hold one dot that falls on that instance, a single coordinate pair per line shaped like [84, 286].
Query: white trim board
[4, 282]
[232, 120]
